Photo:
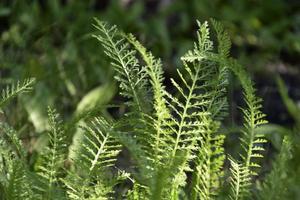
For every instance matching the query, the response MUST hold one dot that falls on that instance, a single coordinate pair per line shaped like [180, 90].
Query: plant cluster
[174, 138]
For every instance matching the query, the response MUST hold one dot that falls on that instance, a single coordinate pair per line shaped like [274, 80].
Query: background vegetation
[51, 41]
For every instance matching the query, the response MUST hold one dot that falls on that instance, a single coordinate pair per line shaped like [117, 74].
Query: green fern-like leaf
[53, 157]
[224, 43]
[11, 137]
[253, 118]
[207, 176]
[184, 126]
[129, 74]
[132, 79]
[20, 185]
[15, 180]
[204, 44]
[91, 176]
[276, 185]
[154, 138]
[240, 180]
[252, 141]
[176, 134]
[15, 89]
[100, 148]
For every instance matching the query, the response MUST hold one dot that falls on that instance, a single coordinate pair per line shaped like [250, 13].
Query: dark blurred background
[51, 41]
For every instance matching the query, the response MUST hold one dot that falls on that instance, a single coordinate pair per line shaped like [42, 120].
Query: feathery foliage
[275, 185]
[52, 159]
[97, 154]
[239, 180]
[15, 178]
[129, 74]
[252, 142]
[15, 89]
[174, 137]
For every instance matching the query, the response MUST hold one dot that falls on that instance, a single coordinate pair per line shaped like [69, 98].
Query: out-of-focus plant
[289, 187]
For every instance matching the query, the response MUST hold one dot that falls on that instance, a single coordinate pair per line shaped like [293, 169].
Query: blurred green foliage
[51, 41]
[276, 132]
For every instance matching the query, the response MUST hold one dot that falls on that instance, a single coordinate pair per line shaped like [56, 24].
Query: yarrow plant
[175, 139]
